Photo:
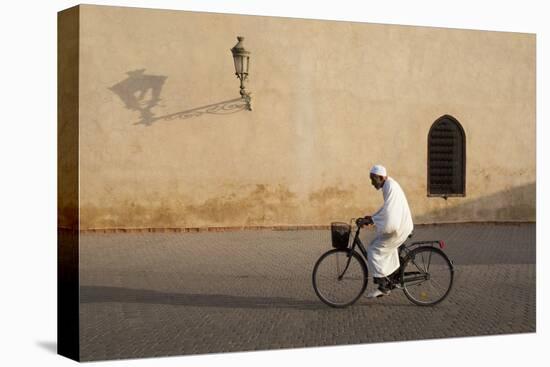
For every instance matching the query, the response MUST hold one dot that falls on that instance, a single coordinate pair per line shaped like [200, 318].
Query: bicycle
[340, 275]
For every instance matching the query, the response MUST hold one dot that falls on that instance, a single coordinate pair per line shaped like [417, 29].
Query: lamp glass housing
[241, 58]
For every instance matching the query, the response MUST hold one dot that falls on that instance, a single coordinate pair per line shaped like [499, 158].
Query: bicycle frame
[356, 242]
[405, 249]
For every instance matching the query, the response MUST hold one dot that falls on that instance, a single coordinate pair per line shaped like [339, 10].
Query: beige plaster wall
[330, 99]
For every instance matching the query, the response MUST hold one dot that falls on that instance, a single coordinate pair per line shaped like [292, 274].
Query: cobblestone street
[160, 294]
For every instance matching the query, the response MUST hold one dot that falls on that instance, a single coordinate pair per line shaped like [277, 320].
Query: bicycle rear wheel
[338, 279]
[427, 276]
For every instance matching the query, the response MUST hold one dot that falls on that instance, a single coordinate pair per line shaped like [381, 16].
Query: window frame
[463, 143]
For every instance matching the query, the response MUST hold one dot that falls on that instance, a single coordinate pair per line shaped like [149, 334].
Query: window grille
[446, 158]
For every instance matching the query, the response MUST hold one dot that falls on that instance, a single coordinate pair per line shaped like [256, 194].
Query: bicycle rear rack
[405, 248]
[440, 243]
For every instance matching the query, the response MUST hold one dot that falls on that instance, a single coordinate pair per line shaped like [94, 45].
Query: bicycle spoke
[418, 266]
[424, 262]
[434, 289]
[435, 282]
[416, 283]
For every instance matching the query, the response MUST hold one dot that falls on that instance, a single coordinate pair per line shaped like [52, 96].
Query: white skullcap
[379, 170]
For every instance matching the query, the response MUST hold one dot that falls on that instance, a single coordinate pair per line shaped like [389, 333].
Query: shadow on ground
[50, 346]
[103, 294]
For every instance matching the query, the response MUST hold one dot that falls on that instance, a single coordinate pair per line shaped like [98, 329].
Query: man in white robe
[393, 223]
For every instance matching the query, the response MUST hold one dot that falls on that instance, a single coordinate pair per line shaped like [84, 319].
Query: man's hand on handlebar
[367, 220]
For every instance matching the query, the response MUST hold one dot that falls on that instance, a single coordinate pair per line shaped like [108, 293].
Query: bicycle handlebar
[363, 221]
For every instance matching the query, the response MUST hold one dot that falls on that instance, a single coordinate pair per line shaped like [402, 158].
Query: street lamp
[241, 58]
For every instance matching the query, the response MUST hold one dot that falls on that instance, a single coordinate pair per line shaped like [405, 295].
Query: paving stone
[160, 294]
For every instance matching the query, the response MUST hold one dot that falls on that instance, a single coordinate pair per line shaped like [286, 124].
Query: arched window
[446, 158]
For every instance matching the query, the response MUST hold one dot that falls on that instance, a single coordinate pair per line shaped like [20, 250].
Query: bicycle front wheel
[427, 276]
[340, 277]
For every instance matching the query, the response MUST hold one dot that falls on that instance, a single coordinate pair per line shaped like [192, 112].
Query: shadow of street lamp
[140, 92]
[241, 57]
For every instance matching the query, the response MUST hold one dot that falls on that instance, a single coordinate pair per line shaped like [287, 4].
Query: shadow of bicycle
[104, 294]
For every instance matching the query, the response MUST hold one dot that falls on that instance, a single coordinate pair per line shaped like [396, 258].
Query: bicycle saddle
[400, 247]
